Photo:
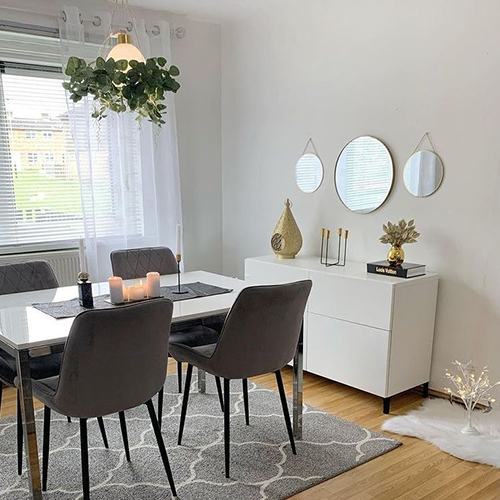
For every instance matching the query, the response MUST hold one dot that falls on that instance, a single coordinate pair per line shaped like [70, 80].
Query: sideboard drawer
[354, 355]
[366, 302]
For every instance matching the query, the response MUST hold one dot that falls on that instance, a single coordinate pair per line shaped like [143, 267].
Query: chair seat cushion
[42, 367]
[45, 389]
[195, 336]
[197, 356]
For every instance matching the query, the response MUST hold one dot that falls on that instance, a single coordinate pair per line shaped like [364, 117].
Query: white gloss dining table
[26, 332]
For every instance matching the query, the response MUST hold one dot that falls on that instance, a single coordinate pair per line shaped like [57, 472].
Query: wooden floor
[415, 471]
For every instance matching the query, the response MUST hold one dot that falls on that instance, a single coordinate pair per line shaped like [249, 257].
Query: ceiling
[213, 10]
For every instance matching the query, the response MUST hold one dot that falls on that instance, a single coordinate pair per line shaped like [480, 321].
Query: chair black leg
[219, 392]
[46, 446]
[1, 392]
[103, 432]
[187, 386]
[245, 400]
[69, 420]
[179, 376]
[227, 406]
[84, 443]
[123, 425]
[284, 403]
[160, 406]
[19, 436]
[161, 446]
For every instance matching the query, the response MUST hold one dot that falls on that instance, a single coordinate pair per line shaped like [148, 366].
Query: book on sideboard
[405, 270]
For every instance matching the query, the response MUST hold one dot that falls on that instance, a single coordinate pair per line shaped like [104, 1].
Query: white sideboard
[371, 332]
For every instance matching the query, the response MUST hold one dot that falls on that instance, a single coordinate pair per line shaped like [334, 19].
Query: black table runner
[71, 308]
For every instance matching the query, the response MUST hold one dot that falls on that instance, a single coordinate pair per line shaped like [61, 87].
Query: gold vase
[396, 255]
[286, 240]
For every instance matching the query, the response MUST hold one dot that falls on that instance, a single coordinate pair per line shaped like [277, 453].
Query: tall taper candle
[81, 252]
[178, 242]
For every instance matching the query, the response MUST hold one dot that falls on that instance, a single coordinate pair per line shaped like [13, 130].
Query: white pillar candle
[116, 289]
[136, 292]
[81, 253]
[178, 239]
[153, 284]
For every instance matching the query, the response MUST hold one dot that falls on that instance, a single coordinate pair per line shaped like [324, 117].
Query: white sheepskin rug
[440, 423]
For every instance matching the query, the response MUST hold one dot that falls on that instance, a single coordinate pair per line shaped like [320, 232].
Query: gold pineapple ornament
[286, 240]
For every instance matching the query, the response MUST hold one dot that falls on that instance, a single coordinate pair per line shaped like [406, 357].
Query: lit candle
[136, 292]
[126, 295]
[153, 284]
[178, 241]
[116, 289]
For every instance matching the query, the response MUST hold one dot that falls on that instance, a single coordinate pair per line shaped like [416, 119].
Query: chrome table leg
[298, 385]
[202, 381]
[29, 429]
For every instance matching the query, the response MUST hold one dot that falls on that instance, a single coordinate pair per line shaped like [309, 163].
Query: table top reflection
[24, 327]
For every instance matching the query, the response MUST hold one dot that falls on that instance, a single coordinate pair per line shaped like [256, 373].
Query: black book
[405, 270]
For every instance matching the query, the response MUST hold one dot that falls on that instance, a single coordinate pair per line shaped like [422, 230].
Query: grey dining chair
[136, 263]
[260, 335]
[28, 277]
[108, 368]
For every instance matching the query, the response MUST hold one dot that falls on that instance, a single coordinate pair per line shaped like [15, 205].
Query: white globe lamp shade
[124, 49]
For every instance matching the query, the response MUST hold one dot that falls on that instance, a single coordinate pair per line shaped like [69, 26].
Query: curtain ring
[80, 17]
[64, 16]
[97, 21]
[130, 26]
[155, 30]
[179, 32]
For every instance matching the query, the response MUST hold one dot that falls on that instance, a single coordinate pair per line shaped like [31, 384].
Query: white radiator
[65, 263]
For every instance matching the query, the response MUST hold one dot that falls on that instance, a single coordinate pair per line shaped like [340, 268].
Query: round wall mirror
[309, 173]
[423, 173]
[364, 174]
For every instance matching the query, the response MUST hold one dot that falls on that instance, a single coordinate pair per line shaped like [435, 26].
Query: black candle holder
[179, 291]
[325, 233]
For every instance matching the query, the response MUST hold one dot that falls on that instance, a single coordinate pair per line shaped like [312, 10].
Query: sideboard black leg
[425, 390]
[387, 405]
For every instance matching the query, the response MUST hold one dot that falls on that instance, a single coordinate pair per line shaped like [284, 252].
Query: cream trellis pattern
[263, 467]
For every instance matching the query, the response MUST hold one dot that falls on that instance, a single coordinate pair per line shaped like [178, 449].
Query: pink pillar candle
[153, 284]
[116, 289]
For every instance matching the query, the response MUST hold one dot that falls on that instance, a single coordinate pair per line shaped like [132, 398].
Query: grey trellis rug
[262, 465]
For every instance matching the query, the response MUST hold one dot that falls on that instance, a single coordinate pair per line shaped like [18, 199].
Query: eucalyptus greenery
[400, 233]
[122, 86]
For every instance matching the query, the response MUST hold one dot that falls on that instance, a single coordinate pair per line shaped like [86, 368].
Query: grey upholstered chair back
[114, 359]
[261, 331]
[137, 262]
[26, 277]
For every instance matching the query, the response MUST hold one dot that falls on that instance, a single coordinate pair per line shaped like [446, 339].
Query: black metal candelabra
[325, 234]
[179, 291]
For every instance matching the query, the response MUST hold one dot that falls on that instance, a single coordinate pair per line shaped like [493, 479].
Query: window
[49, 158]
[40, 199]
[32, 157]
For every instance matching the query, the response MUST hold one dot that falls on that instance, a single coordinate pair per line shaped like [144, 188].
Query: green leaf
[110, 65]
[100, 62]
[174, 71]
[161, 61]
[121, 65]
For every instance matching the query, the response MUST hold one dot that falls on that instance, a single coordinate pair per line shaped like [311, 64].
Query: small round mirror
[364, 174]
[423, 173]
[309, 173]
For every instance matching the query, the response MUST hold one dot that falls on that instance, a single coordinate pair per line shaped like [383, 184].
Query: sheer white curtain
[129, 172]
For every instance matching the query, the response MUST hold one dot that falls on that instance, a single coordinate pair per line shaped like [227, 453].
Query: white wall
[337, 69]
[198, 107]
